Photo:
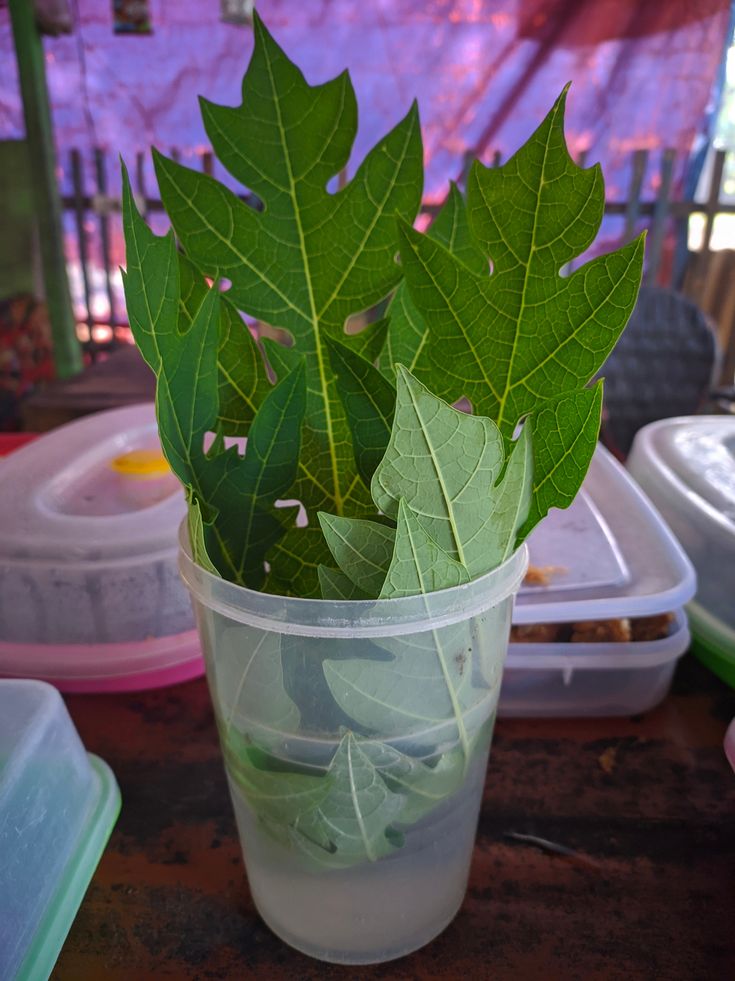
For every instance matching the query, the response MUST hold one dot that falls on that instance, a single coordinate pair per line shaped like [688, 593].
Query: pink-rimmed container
[90, 595]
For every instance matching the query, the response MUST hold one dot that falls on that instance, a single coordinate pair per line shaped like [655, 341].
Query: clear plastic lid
[700, 452]
[94, 489]
[57, 807]
[608, 555]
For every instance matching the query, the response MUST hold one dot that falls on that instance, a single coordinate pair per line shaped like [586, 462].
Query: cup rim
[351, 618]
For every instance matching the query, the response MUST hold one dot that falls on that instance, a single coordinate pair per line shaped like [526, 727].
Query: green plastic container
[58, 805]
[713, 642]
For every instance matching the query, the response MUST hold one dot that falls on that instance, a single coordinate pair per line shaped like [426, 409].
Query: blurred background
[652, 99]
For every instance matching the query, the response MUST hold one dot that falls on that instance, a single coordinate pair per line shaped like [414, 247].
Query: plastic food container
[90, 595]
[687, 467]
[608, 556]
[575, 680]
[355, 737]
[58, 805]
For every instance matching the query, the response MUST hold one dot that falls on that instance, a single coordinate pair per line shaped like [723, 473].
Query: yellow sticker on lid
[141, 464]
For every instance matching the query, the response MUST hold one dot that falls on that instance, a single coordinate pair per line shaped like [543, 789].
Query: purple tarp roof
[484, 71]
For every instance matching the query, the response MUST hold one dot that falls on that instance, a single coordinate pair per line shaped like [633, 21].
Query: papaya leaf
[445, 464]
[351, 822]
[370, 341]
[295, 561]
[309, 259]
[282, 359]
[565, 433]
[418, 564]
[335, 585]
[242, 383]
[424, 690]
[196, 535]
[369, 401]
[362, 549]
[275, 796]
[407, 330]
[423, 786]
[185, 362]
[512, 340]
[249, 685]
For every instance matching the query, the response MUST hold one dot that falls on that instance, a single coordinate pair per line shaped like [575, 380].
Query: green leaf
[235, 494]
[565, 436]
[335, 585]
[423, 786]
[282, 359]
[369, 402]
[249, 686]
[407, 333]
[196, 536]
[512, 497]
[295, 561]
[243, 383]
[418, 564]
[185, 363]
[425, 690]
[352, 820]
[362, 549]
[515, 339]
[275, 796]
[369, 342]
[310, 258]
[445, 464]
[250, 488]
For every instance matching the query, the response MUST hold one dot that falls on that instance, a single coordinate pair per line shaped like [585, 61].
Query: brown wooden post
[32, 76]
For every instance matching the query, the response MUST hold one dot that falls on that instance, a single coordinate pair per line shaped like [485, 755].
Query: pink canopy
[484, 71]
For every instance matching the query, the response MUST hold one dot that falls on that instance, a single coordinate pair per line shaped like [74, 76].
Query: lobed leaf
[407, 331]
[362, 549]
[419, 565]
[335, 585]
[185, 361]
[445, 464]
[369, 402]
[512, 341]
[309, 259]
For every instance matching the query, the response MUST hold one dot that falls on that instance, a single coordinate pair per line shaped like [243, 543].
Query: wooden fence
[706, 276]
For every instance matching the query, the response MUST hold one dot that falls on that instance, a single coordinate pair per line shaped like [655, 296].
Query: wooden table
[646, 804]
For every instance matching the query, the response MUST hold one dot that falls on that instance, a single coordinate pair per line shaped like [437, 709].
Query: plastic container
[614, 555]
[609, 556]
[355, 737]
[577, 680]
[687, 467]
[90, 596]
[58, 805]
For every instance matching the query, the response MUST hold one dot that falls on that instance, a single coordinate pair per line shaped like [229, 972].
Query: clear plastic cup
[355, 737]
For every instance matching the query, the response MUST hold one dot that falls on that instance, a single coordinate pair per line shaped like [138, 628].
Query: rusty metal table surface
[646, 805]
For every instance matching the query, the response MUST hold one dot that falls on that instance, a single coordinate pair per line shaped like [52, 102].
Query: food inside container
[687, 467]
[90, 594]
[621, 630]
[58, 805]
[591, 677]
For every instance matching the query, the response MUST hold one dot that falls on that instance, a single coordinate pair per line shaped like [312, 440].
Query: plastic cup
[356, 737]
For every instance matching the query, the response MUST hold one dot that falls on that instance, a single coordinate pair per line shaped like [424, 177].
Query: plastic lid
[57, 807]
[700, 451]
[91, 490]
[610, 553]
